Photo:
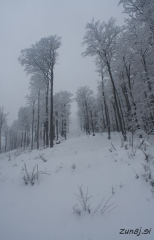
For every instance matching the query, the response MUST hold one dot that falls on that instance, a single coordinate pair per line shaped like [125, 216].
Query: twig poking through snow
[113, 146]
[106, 206]
[42, 158]
[137, 176]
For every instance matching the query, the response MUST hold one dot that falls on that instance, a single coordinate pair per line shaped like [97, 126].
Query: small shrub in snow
[148, 172]
[31, 177]
[83, 199]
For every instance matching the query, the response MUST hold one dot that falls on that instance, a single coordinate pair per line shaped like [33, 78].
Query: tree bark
[32, 127]
[46, 125]
[38, 121]
[106, 111]
[51, 110]
[87, 119]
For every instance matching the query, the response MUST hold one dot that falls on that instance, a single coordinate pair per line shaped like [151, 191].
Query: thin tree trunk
[57, 130]
[104, 124]
[122, 116]
[87, 119]
[22, 139]
[116, 119]
[92, 122]
[46, 125]
[6, 137]
[106, 111]
[51, 111]
[38, 121]
[125, 93]
[32, 127]
[25, 140]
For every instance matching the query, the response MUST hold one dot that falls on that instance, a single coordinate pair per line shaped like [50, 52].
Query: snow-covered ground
[44, 211]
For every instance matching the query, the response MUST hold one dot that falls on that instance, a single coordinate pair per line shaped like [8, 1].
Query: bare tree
[42, 57]
[62, 107]
[101, 40]
[83, 96]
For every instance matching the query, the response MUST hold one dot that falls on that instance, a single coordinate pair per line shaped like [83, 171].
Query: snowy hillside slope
[44, 211]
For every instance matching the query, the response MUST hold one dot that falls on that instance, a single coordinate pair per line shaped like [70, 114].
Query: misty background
[22, 23]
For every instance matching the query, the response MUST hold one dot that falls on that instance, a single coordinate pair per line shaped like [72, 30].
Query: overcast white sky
[23, 22]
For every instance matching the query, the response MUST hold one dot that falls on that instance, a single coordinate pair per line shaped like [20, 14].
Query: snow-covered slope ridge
[116, 184]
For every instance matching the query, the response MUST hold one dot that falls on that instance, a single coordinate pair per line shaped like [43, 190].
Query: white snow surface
[44, 211]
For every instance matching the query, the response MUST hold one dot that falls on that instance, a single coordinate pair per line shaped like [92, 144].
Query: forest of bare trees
[124, 60]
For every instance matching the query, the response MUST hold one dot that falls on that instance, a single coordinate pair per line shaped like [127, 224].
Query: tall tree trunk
[57, 130]
[38, 121]
[6, 137]
[125, 93]
[92, 122]
[116, 101]
[106, 111]
[128, 74]
[122, 116]
[68, 127]
[104, 124]
[87, 119]
[46, 124]
[22, 139]
[65, 122]
[116, 119]
[32, 127]
[51, 110]
[25, 140]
